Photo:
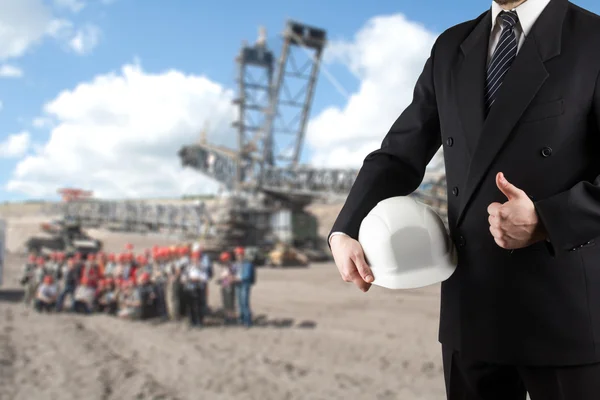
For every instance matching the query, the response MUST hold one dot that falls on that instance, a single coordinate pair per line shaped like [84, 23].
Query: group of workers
[162, 282]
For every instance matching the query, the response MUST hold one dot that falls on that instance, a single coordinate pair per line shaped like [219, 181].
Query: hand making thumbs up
[515, 223]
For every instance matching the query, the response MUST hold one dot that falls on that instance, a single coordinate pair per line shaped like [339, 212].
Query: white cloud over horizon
[388, 66]
[118, 133]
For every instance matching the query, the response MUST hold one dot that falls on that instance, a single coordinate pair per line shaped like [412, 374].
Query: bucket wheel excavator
[269, 186]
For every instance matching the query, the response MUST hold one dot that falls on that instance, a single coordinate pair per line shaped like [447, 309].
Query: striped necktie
[503, 57]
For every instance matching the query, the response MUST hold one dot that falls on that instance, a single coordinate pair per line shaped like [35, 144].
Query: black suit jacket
[539, 305]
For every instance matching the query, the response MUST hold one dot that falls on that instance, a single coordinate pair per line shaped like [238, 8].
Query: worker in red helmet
[39, 273]
[107, 301]
[245, 279]
[196, 281]
[91, 271]
[85, 294]
[227, 282]
[46, 295]
[52, 266]
[173, 287]
[128, 266]
[206, 264]
[158, 269]
[28, 279]
[111, 265]
[147, 296]
[143, 266]
[130, 301]
[71, 279]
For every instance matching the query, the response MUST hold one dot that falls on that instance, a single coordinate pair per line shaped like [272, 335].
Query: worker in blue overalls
[246, 277]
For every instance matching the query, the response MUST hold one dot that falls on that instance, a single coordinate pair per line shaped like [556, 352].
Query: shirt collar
[528, 13]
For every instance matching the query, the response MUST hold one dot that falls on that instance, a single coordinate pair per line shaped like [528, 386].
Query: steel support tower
[293, 91]
[256, 65]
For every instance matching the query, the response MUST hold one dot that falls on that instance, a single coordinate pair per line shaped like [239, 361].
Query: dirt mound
[316, 339]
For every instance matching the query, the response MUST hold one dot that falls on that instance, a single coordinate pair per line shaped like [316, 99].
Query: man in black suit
[514, 98]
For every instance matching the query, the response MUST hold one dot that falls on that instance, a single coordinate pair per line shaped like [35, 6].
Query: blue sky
[194, 37]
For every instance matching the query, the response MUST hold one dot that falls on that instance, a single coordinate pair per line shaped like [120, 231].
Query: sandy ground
[316, 338]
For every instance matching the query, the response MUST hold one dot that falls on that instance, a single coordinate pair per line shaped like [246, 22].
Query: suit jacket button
[460, 242]
[455, 191]
[546, 152]
[449, 142]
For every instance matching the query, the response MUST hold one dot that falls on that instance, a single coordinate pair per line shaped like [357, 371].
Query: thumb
[363, 267]
[510, 191]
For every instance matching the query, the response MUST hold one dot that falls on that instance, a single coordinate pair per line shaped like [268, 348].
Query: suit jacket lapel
[521, 83]
[469, 80]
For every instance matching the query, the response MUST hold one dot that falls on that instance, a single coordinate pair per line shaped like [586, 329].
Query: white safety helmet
[406, 244]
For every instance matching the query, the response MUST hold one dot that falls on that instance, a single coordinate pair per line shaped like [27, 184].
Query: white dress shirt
[528, 13]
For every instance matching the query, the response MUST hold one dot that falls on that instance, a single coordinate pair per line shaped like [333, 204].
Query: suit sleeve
[398, 167]
[572, 218]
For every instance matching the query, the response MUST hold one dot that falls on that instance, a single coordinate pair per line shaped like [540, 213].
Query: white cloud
[15, 145]
[119, 135]
[23, 24]
[26, 23]
[72, 5]
[61, 29]
[387, 55]
[41, 122]
[10, 71]
[85, 39]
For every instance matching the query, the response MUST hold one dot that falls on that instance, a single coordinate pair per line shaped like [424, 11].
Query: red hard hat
[225, 256]
[239, 250]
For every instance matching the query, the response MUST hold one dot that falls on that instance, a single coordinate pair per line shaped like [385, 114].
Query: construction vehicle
[63, 235]
[263, 177]
[268, 187]
[284, 255]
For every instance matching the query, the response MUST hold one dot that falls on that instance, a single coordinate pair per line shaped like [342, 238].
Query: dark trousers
[69, 289]
[81, 307]
[43, 306]
[161, 304]
[195, 299]
[477, 380]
